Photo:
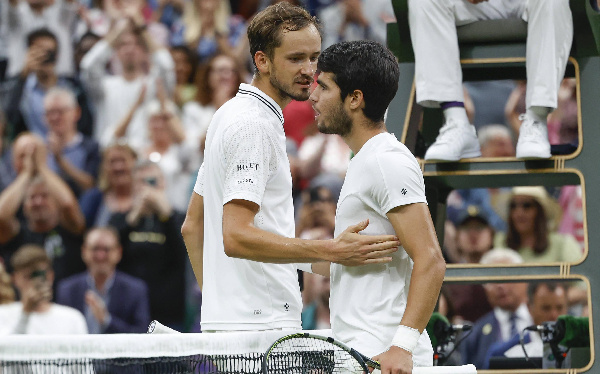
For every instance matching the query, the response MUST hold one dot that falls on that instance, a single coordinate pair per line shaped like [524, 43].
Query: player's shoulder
[388, 152]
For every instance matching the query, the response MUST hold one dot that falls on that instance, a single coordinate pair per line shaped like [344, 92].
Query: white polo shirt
[245, 158]
[367, 302]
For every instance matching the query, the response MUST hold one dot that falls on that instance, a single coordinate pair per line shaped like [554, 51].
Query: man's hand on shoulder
[395, 361]
[352, 249]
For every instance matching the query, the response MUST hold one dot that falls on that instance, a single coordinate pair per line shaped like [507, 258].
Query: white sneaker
[533, 139]
[455, 141]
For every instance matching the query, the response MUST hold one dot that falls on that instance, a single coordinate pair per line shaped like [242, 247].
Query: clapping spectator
[115, 95]
[185, 72]
[7, 293]
[73, 156]
[35, 313]
[114, 193]
[25, 92]
[111, 301]
[51, 217]
[153, 247]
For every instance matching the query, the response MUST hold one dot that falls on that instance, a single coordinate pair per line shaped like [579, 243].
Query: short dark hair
[367, 66]
[533, 287]
[41, 33]
[266, 28]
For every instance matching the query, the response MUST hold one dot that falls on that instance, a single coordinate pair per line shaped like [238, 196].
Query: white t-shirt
[245, 158]
[367, 302]
[59, 319]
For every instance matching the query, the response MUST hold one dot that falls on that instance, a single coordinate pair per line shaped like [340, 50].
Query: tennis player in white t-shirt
[381, 310]
[241, 211]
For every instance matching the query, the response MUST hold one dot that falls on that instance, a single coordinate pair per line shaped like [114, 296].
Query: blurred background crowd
[104, 111]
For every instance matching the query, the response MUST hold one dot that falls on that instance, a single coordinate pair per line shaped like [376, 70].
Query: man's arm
[242, 239]
[414, 228]
[71, 217]
[193, 234]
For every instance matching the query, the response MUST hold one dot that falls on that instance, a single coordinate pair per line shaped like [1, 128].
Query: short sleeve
[400, 181]
[199, 185]
[248, 151]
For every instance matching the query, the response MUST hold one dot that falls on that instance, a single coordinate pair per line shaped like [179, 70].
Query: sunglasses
[526, 205]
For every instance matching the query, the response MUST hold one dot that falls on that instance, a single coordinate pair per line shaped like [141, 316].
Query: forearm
[12, 197]
[71, 216]
[192, 231]
[425, 284]
[176, 129]
[122, 127]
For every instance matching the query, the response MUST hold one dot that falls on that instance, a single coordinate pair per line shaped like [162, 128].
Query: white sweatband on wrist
[406, 338]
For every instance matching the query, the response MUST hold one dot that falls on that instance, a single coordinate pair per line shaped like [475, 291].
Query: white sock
[538, 113]
[459, 114]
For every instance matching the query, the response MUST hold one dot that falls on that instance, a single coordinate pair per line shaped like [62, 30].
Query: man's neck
[47, 80]
[263, 84]
[360, 134]
[101, 279]
[131, 73]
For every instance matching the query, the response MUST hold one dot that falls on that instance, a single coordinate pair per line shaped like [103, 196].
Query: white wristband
[406, 338]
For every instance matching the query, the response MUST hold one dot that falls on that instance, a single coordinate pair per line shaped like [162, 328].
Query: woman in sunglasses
[530, 231]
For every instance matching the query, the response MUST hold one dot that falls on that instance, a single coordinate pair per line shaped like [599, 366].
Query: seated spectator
[113, 96]
[496, 141]
[315, 316]
[217, 81]
[316, 218]
[111, 301]
[546, 302]
[153, 247]
[24, 17]
[35, 313]
[82, 47]
[114, 193]
[167, 148]
[24, 93]
[51, 217]
[185, 72]
[571, 221]
[323, 154]
[461, 200]
[509, 316]
[73, 156]
[474, 236]
[7, 292]
[529, 228]
[438, 72]
[346, 20]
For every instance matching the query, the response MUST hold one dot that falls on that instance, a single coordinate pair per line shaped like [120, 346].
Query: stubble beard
[339, 123]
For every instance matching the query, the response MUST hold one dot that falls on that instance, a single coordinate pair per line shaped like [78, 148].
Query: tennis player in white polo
[381, 310]
[241, 211]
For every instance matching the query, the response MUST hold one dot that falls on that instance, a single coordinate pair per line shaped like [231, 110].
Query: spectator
[346, 20]
[474, 236]
[51, 216]
[510, 314]
[153, 248]
[114, 193]
[317, 215]
[571, 222]
[217, 81]
[7, 293]
[111, 301]
[529, 228]
[73, 156]
[25, 92]
[35, 314]
[496, 141]
[167, 149]
[185, 71]
[547, 301]
[323, 154]
[208, 28]
[23, 17]
[114, 96]
[439, 78]
[82, 47]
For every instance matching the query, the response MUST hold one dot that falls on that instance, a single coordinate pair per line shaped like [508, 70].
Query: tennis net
[222, 353]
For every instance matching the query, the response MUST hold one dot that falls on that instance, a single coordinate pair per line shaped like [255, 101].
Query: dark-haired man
[244, 190]
[383, 184]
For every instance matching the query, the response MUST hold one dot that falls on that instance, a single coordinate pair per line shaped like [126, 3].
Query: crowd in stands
[104, 111]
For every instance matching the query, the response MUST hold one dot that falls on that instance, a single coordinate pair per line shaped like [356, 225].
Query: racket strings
[311, 356]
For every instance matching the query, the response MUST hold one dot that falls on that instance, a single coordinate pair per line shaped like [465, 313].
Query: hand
[354, 13]
[39, 292]
[352, 249]
[29, 163]
[55, 145]
[33, 60]
[395, 361]
[97, 306]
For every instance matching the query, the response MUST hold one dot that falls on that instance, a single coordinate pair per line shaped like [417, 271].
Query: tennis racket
[313, 354]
